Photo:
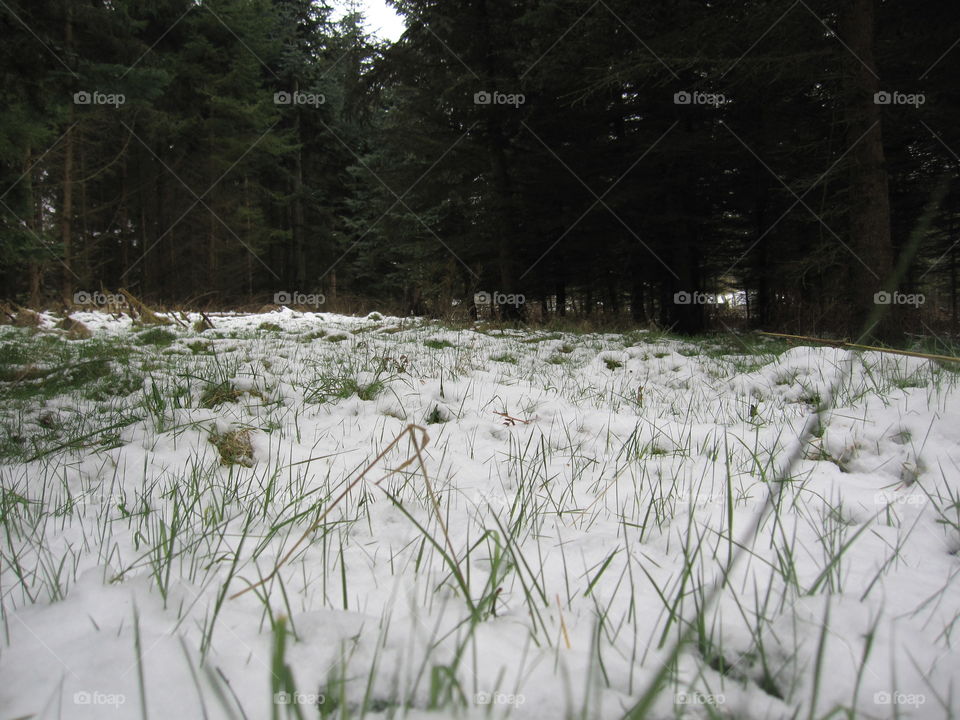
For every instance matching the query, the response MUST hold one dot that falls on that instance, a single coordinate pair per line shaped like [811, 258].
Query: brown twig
[147, 315]
[511, 419]
[855, 346]
[410, 430]
[563, 625]
[436, 506]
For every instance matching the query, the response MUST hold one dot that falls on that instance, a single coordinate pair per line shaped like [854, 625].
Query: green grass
[218, 394]
[41, 367]
[157, 337]
[329, 388]
[670, 479]
[435, 417]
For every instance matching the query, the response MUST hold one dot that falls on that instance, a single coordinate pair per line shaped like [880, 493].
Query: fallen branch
[178, 321]
[855, 346]
[147, 316]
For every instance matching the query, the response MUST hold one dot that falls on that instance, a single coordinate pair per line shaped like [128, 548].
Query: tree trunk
[869, 214]
[36, 226]
[638, 310]
[66, 212]
[954, 320]
[299, 244]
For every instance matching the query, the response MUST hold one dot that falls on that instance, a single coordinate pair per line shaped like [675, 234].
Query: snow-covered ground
[585, 503]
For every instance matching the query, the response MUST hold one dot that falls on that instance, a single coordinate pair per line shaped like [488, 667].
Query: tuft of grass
[434, 344]
[215, 395]
[435, 416]
[234, 447]
[368, 391]
[335, 387]
[157, 337]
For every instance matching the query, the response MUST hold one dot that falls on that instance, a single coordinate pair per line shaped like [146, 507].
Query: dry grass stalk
[411, 431]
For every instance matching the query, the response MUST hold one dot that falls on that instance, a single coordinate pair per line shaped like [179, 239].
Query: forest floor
[574, 520]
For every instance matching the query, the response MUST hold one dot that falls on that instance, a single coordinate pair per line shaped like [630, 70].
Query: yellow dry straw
[855, 346]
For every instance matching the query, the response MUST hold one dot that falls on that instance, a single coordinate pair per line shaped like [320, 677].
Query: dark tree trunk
[66, 211]
[954, 320]
[869, 193]
[299, 243]
[637, 309]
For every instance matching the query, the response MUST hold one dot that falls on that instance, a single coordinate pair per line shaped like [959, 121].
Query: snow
[604, 501]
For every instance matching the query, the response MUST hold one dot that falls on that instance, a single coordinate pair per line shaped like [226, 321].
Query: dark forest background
[612, 159]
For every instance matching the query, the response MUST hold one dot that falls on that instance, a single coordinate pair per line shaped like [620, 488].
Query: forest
[785, 165]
